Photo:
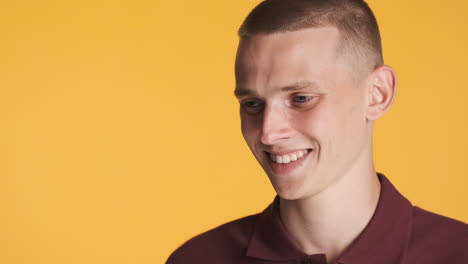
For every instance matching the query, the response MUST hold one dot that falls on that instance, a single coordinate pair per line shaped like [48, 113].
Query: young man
[311, 81]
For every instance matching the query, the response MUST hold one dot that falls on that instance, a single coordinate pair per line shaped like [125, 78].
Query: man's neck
[330, 221]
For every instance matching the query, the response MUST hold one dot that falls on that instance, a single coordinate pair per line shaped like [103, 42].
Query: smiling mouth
[288, 158]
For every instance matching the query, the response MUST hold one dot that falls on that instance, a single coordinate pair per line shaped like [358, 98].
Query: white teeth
[279, 159]
[293, 157]
[288, 158]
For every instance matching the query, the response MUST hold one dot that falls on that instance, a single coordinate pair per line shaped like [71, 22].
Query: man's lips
[287, 163]
[281, 157]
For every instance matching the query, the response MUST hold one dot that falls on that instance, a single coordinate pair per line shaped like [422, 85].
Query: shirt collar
[383, 240]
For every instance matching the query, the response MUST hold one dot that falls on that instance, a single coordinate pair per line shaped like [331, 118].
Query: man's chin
[291, 189]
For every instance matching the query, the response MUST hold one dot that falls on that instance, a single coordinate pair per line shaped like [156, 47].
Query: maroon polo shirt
[397, 233]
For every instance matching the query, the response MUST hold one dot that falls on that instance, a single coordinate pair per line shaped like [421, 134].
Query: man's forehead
[316, 36]
[281, 49]
[288, 59]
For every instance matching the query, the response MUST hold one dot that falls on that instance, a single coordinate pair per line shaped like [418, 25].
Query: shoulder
[427, 224]
[216, 245]
[438, 237]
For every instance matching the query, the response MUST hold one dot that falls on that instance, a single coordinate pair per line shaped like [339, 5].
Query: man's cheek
[247, 127]
[311, 121]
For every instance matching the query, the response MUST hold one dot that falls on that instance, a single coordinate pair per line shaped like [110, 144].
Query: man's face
[302, 112]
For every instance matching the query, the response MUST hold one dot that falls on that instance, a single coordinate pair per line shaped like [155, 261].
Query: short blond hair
[355, 21]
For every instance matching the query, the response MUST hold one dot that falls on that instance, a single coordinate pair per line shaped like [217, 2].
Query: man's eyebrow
[300, 86]
[241, 91]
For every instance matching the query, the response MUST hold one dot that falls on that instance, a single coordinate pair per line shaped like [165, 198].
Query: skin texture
[297, 93]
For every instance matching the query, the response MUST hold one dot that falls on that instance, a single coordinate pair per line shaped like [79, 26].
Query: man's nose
[275, 125]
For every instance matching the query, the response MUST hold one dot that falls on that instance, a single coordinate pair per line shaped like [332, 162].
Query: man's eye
[301, 101]
[301, 98]
[252, 106]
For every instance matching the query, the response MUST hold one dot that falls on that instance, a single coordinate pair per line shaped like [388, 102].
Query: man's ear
[381, 92]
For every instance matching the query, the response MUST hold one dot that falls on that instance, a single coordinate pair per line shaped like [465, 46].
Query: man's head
[310, 81]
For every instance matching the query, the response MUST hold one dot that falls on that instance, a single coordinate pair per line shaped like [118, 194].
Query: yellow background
[119, 132]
